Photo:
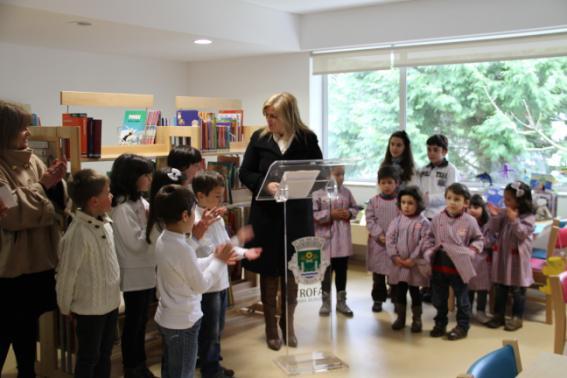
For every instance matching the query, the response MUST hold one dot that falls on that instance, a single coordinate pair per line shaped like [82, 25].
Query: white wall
[35, 76]
[253, 80]
[420, 20]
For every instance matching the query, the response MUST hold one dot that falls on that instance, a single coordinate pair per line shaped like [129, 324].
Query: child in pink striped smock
[481, 283]
[332, 222]
[511, 266]
[404, 243]
[380, 212]
[452, 244]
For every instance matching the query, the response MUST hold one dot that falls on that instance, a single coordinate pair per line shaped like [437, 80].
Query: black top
[266, 217]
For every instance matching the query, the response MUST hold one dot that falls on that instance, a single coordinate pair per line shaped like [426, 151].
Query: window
[363, 110]
[507, 118]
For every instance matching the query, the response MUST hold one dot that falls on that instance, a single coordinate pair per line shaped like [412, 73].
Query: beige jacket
[29, 233]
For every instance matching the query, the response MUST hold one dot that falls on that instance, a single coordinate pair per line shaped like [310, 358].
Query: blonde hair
[285, 105]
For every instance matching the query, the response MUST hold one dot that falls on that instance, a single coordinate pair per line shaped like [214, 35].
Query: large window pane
[363, 110]
[506, 118]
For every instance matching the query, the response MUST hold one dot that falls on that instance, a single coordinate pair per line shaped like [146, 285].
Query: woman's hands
[54, 174]
[3, 209]
[273, 188]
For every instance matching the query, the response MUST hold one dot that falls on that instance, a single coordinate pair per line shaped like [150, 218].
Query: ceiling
[312, 6]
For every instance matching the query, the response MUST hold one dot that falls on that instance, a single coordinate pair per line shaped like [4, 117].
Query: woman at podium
[285, 138]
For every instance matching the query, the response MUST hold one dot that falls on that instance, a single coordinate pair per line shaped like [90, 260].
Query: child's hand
[409, 263]
[199, 229]
[224, 252]
[245, 234]
[336, 214]
[492, 209]
[382, 239]
[398, 261]
[345, 214]
[512, 214]
[426, 198]
[218, 212]
[253, 253]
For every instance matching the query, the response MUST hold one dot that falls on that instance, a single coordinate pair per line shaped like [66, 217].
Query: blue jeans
[440, 284]
[179, 351]
[213, 306]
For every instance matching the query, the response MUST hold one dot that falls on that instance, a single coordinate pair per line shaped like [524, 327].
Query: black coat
[266, 217]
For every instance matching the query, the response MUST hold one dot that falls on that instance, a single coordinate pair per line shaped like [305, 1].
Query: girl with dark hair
[481, 283]
[399, 154]
[162, 177]
[511, 266]
[130, 177]
[404, 242]
[186, 159]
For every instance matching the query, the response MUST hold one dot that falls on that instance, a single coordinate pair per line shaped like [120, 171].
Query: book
[133, 127]
[237, 119]
[77, 120]
[188, 118]
[94, 138]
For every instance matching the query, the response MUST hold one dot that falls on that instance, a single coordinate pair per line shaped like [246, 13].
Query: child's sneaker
[438, 331]
[456, 333]
[481, 317]
[377, 306]
[513, 324]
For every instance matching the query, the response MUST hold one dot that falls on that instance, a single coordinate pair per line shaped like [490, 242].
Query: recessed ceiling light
[81, 23]
[202, 41]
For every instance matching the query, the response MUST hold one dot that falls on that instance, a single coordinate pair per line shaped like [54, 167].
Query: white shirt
[181, 278]
[283, 144]
[136, 258]
[214, 236]
[88, 274]
[434, 180]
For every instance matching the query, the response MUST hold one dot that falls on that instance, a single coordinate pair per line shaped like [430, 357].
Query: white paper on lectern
[7, 197]
[299, 183]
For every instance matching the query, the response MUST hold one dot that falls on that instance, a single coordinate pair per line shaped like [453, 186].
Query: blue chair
[501, 363]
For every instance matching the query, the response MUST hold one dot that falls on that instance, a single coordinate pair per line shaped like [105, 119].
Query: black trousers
[379, 289]
[501, 297]
[339, 265]
[481, 299]
[95, 335]
[133, 341]
[24, 299]
[402, 291]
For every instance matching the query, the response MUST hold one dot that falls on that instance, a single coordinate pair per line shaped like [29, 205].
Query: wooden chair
[540, 279]
[559, 297]
[504, 362]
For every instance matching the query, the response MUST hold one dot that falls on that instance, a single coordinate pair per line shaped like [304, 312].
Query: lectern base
[309, 363]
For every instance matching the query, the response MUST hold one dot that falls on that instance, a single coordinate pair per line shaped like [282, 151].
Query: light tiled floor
[367, 343]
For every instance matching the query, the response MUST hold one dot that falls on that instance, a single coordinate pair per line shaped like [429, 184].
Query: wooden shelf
[207, 103]
[120, 100]
[146, 150]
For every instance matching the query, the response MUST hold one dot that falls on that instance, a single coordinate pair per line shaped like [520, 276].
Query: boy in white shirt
[88, 275]
[209, 187]
[436, 176]
[181, 278]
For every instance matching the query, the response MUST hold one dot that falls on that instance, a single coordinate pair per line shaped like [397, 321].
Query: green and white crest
[309, 263]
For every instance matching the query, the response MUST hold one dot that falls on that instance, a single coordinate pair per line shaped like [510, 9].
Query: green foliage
[492, 113]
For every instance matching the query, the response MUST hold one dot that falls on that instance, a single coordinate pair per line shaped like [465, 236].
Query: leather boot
[416, 325]
[400, 322]
[342, 307]
[291, 302]
[269, 292]
[325, 309]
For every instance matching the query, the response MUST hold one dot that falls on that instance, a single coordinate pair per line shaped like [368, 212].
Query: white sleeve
[71, 253]
[128, 229]
[201, 274]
